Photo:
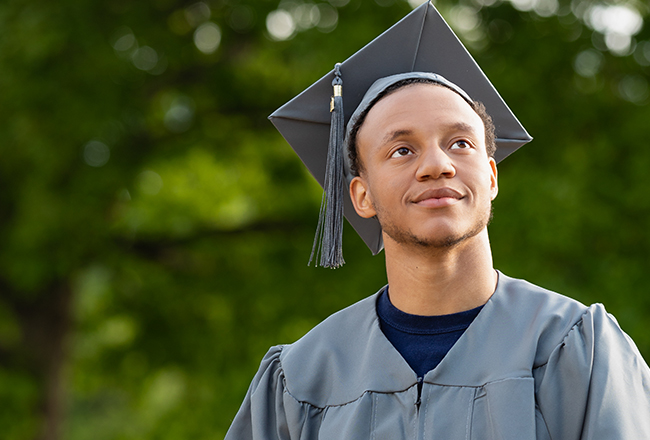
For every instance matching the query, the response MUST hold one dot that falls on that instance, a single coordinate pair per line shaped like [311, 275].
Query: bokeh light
[242, 18]
[588, 63]
[145, 58]
[543, 8]
[306, 16]
[207, 37]
[633, 88]
[280, 25]
[292, 17]
[464, 18]
[124, 39]
[96, 153]
[618, 23]
[197, 14]
[642, 53]
[180, 114]
[328, 18]
[149, 182]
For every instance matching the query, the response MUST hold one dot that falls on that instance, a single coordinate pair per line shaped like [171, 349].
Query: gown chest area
[503, 409]
[345, 380]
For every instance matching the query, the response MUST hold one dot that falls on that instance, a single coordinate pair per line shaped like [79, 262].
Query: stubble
[407, 237]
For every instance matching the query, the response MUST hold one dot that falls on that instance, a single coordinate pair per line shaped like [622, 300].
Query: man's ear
[494, 184]
[361, 198]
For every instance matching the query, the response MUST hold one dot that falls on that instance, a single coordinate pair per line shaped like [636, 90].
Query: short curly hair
[355, 163]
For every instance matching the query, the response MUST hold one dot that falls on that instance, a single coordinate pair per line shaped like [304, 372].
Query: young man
[451, 348]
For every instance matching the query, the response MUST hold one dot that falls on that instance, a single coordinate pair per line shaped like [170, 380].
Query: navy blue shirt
[422, 340]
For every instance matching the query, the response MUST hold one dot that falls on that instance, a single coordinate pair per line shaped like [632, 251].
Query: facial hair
[407, 237]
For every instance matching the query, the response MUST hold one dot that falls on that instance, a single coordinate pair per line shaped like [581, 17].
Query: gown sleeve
[595, 384]
[262, 414]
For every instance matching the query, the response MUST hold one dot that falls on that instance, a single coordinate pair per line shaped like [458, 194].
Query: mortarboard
[420, 42]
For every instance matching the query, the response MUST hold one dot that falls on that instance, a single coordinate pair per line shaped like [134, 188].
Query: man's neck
[440, 281]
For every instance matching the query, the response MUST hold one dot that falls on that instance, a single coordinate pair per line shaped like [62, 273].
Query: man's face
[426, 174]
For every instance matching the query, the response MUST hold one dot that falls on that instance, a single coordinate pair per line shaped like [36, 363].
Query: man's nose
[435, 163]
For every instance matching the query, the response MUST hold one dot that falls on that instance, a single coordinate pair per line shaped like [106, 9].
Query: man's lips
[440, 197]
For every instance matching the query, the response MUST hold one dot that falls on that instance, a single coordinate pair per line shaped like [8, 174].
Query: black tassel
[329, 232]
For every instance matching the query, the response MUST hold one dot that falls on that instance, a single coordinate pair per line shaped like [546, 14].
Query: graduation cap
[314, 121]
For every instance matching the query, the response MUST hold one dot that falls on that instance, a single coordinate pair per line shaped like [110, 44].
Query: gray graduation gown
[533, 365]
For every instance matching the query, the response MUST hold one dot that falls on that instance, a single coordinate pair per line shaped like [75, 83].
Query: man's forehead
[414, 88]
[412, 104]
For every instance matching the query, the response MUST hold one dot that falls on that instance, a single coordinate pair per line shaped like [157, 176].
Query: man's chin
[440, 240]
[441, 235]
[446, 242]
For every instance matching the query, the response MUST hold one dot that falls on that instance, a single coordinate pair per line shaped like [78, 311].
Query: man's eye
[460, 145]
[402, 151]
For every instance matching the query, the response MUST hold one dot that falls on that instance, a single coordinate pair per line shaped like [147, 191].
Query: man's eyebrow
[462, 126]
[455, 126]
[395, 134]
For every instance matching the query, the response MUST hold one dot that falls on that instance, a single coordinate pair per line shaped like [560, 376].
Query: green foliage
[140, 174]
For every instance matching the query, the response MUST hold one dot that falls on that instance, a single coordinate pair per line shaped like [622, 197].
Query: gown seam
[300, 401]
[374, 416]
[424, 422]
[306, 402]
[541, 414]
[562, 342]
[470, 413]
[480, 385]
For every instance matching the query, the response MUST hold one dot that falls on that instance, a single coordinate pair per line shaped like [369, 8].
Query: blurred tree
[155, 229]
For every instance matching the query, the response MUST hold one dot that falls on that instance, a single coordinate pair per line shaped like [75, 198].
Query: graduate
[450, 348]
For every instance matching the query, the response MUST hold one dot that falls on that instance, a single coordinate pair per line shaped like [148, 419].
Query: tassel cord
[328, 241]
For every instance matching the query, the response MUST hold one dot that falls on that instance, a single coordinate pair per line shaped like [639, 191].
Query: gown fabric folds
[533, 365]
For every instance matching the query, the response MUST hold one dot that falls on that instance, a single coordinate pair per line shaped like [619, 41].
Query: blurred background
[155, 229]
